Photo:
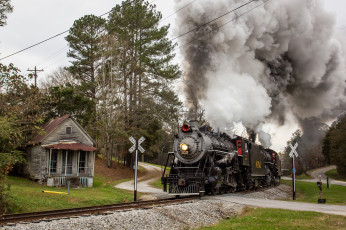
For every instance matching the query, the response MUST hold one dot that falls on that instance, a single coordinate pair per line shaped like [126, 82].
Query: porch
[73, 162]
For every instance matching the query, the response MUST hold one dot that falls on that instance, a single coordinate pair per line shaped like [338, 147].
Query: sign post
[136, 146]
[292, 154]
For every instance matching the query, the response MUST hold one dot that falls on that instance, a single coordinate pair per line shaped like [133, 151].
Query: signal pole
[136, 146]
[35, 74]
[292, 154]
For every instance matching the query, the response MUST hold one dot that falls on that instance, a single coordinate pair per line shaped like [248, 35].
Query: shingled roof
[48, 128]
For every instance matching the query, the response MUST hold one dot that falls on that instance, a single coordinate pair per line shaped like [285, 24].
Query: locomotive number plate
[184, 152]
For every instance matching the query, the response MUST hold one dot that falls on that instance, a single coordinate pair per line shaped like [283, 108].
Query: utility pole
[35, 74]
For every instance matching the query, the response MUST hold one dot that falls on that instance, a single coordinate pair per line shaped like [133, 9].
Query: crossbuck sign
[293, 151]
[292, 154]
[136, 146]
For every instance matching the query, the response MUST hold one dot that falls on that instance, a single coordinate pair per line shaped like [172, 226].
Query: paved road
[316, 175]
[143, 185]
[265, 203]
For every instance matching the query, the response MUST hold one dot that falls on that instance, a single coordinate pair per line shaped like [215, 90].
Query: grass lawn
[157, 183]
[334, 175]
[27, 196]
[309, 192]
[259, 218]
[303, 177]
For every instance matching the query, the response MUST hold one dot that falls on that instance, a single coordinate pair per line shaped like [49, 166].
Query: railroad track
[94, 210]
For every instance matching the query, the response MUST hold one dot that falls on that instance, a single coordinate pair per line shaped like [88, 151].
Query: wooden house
[64, 154]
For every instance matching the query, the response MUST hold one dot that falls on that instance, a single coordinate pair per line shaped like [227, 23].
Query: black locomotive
[207, 162]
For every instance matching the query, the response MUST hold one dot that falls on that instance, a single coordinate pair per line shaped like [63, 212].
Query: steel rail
[46, 215]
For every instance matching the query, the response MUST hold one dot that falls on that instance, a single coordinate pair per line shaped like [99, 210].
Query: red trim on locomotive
[239, 149]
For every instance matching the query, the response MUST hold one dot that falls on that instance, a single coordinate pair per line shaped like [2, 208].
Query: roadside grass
[334, 175]
[309, 192]
[303, 177]
[260, 218]
[157, 183]
[27, 196]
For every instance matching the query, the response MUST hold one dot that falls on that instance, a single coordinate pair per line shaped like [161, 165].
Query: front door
[67, 162]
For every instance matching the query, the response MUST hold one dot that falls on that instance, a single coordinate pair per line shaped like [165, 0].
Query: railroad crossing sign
[136, 145]
[293, 151]
[292, 154]
[140, 141]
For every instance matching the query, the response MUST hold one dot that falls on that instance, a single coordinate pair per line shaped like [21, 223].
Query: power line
[178, 10]
[57, 35]
[55, 54]
[111, 11]
[226, 22]
[50, 38]
[196, 28]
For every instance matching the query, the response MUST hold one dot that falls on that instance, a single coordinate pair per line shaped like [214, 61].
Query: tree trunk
[109, 154]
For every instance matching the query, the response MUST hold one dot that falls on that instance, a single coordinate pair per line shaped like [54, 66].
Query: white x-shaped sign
[133, 148]
[293, 151]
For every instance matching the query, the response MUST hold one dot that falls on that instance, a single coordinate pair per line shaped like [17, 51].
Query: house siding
[36, 162]
[60, 134]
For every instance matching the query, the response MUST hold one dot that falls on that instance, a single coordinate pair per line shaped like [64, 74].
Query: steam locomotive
[207, 162]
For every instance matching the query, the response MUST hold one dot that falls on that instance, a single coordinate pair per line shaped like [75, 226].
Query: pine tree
[85, 50]
[145, 68]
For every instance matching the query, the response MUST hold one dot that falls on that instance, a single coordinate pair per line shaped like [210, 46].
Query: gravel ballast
[179, 216]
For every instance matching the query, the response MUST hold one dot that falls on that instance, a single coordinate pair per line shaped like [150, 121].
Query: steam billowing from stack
[283, 59]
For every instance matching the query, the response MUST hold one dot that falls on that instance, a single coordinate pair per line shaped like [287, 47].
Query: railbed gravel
[177, 216]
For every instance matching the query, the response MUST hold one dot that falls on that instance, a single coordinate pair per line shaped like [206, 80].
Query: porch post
[86, 162]
[66, 162]
[78, 163]
[93, 163]
[50, 161]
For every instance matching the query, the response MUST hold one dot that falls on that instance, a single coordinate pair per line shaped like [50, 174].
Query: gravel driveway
[316, 175]
[144, 184]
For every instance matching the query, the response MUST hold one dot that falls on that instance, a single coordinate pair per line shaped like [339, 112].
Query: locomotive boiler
[208, 162]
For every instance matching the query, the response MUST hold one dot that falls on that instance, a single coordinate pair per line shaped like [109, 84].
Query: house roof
[71, 146]
[48, 127]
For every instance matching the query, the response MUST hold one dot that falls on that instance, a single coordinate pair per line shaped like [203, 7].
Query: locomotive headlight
[184, 147]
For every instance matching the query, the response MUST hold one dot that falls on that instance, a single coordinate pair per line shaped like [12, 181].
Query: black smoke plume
[282, 61]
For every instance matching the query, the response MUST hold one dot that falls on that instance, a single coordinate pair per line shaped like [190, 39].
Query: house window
[54, 161]
[68, 130]
[83, 163]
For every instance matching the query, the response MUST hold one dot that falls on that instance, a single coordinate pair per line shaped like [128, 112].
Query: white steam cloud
[283, 58]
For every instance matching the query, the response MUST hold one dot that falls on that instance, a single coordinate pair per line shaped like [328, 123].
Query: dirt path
[143, 184]
[316, 175]
[321, 171]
